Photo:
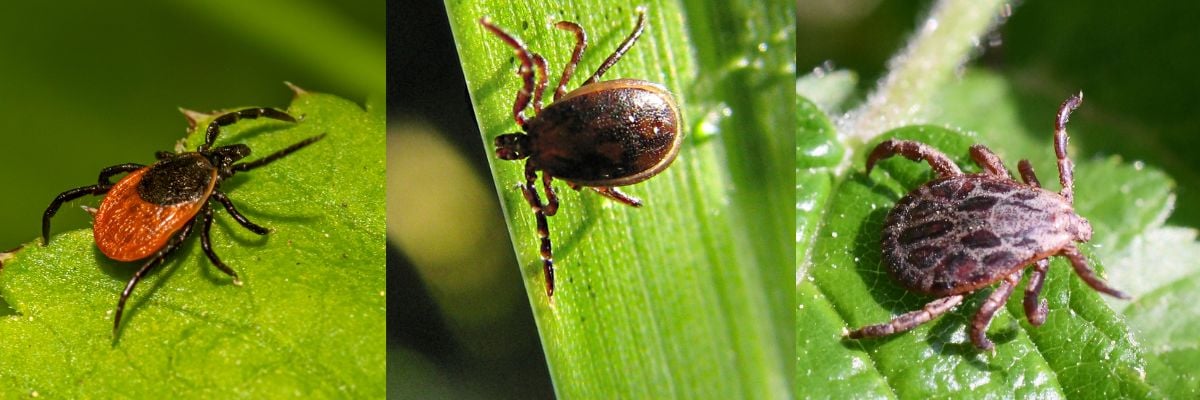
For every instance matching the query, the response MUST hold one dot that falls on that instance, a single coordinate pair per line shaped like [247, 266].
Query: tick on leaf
[961, 232]
[600, 135]
[152, 209]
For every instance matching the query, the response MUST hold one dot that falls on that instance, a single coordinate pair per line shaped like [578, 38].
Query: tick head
[512, 146]
[1080, 228]
[225, 156]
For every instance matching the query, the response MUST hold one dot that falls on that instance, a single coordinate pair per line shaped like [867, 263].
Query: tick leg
[1066, 168]
[526, 70]
[543, 226]
[529, 189]
[154, 261]
[246, 166]
[63, 198]
[989, 161]
[580, 46]
[624, 47]
[237, 216]
[540, 89]
[214, 127]
[907, 321]
[1035, 311]
[107, 173]
[551, 206]
[547, 252]
[1027, 173]
[1088, 275]
[206, 244]
[613, 193]
[914, 151]
[988, 310]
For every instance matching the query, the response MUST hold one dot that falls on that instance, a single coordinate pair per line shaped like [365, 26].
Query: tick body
[152, 209]
[962, 232]
[600, 135]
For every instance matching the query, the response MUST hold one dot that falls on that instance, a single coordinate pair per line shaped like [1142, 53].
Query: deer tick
[152, 209]
[600, 135]
[961, 232]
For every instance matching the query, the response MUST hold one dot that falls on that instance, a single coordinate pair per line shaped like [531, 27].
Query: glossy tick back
[152, 209]
[961, 232]
[600, 135]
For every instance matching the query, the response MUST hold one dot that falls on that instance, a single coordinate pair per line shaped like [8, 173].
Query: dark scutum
[177, 180]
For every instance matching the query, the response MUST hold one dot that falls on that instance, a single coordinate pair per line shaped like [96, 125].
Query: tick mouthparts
[1081, 228]
[511, 146]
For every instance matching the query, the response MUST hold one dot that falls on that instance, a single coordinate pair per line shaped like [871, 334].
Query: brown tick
[149, 212]
[961, 232]
[600, 135]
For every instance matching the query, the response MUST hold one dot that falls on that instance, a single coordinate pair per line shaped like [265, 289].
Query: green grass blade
[677, 299]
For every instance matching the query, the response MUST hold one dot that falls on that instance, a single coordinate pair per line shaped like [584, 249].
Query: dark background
[458, 319]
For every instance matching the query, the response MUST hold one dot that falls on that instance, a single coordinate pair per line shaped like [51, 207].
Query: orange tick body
[150, 211]
[130, 227]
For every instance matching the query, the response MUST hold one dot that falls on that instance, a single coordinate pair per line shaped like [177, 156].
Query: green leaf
[824, 368]
[309, 319]
[1083, 349]
[817, 152]
[829, 90]
[63, 124]
[1167, 323]
[1128, 204]
[681, 298]
[1160, 269]
[1082, 341]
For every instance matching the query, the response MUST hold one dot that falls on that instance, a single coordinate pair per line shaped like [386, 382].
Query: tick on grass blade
[152, 209]
[961, 232]
[601, 135]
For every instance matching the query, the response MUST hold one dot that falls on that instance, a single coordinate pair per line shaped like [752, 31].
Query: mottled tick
[961, 232]
[600, 135]
[152, 209]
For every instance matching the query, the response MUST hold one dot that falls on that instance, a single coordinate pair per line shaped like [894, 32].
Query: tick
[152, 209]
[600, 135]
[961, 232]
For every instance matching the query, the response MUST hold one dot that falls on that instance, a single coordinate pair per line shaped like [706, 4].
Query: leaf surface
[681, 298]
[308, 320]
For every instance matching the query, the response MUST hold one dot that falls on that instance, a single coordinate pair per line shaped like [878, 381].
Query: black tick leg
[153, 261]
[237, 216]
[206, 244]
[214, 127]
[63, 198]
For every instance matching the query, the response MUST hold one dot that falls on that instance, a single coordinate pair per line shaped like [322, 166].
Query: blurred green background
[1136, 63]
[85, 85]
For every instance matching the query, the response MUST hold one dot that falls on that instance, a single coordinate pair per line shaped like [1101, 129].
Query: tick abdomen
[955, 235]
[129, 228]
[616, 133]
